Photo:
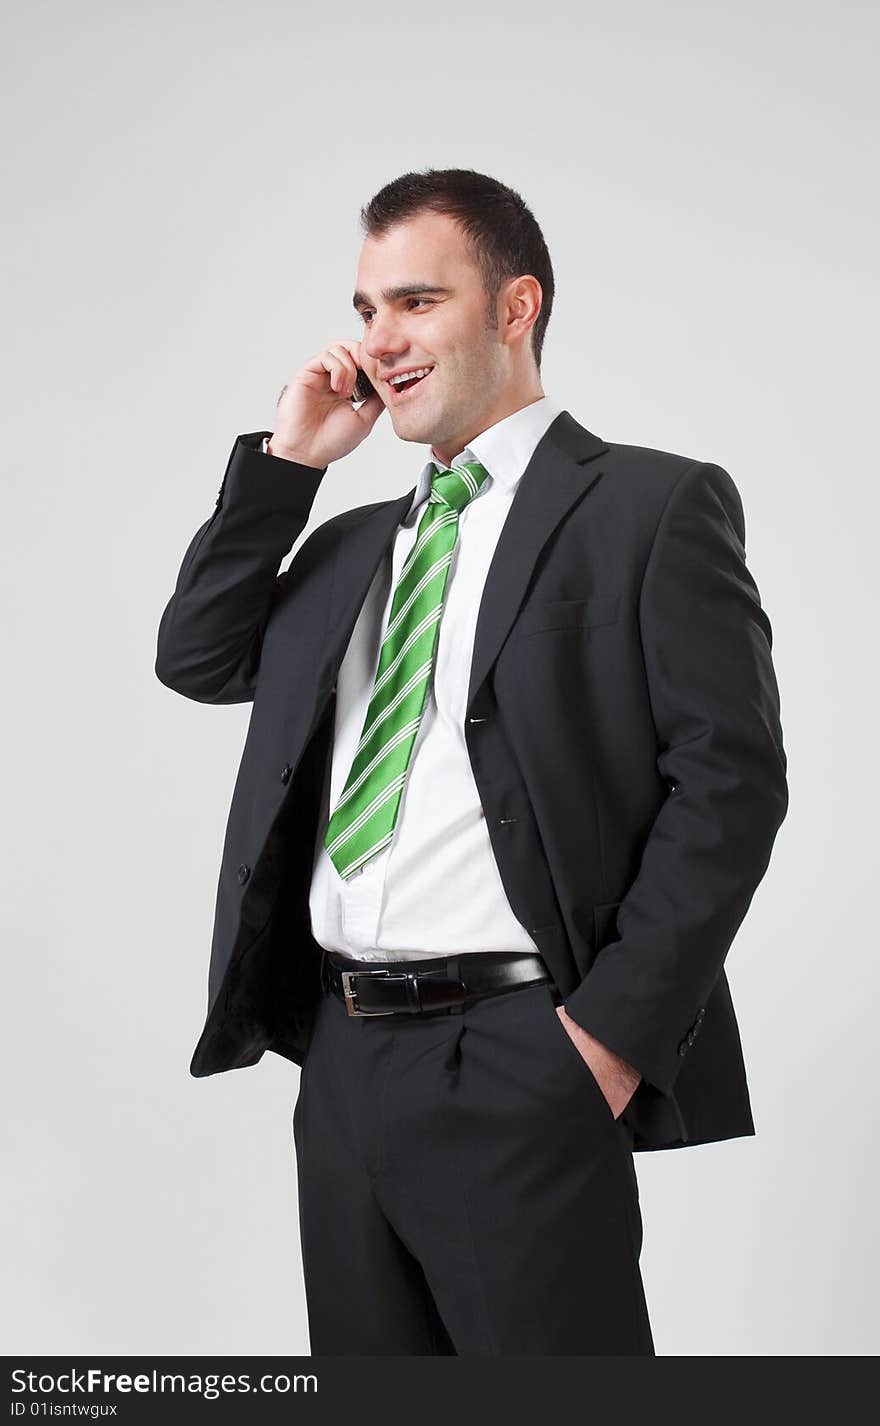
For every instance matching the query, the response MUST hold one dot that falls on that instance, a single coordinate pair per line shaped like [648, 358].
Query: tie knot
[457, 486]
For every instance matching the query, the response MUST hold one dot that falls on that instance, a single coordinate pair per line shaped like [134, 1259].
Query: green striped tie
[365, 815]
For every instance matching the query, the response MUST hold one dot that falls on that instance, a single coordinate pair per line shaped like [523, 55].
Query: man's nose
[384, 338]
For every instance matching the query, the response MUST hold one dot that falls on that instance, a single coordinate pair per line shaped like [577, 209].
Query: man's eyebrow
[394, 294]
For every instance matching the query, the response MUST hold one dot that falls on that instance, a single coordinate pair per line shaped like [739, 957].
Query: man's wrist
[282, 453]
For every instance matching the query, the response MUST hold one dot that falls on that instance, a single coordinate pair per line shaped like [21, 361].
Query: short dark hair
[502, 233]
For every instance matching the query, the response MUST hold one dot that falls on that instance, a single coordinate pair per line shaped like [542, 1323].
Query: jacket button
[286, 772]
[682, 1047]
[244, 872]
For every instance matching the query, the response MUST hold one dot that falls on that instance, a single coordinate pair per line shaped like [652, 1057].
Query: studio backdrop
[182, 190]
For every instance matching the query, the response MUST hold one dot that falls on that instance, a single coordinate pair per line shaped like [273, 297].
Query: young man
[513, 773]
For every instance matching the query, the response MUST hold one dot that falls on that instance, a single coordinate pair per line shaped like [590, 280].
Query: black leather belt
[421, 986]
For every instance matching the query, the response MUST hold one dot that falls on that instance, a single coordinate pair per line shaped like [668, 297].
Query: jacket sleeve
[211, 632]
[706, 644]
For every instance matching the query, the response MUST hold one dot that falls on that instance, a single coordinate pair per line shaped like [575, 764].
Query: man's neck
[447, 455]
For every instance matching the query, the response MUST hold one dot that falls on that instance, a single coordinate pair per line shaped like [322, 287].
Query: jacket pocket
[569, 614]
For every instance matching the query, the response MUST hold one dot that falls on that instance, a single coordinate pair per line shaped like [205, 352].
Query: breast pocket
[568, 614]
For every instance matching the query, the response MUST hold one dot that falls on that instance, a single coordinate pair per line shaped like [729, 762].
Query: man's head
[474, 249]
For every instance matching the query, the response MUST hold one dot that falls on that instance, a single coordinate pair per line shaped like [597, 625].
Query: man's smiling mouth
[405, 382]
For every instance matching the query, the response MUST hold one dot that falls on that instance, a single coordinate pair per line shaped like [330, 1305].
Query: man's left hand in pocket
[617, 1080]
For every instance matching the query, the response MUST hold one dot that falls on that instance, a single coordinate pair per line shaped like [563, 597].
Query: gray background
[181, 190]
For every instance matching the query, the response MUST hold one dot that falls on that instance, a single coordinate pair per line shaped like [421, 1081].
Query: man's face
[474, 377]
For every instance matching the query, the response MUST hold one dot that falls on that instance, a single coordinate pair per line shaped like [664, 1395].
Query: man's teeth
[408, 375]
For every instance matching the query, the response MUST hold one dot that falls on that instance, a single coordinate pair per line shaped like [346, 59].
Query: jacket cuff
[657, 1053]
[281, 483]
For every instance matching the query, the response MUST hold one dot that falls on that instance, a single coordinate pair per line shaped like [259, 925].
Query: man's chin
[413, 427]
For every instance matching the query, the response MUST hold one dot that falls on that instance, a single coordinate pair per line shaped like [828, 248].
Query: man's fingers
[337, 360]
[348, 363]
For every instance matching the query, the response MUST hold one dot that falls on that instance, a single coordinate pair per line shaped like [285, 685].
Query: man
[513, 773]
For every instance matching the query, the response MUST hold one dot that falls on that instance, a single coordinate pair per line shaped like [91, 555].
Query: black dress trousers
[463, 1187]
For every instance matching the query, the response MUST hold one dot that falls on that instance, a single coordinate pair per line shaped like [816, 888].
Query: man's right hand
[316, 422]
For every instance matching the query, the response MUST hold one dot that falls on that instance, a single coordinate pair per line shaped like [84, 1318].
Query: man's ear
[521, 304]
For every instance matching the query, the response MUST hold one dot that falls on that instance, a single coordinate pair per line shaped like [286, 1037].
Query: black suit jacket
[622, 726]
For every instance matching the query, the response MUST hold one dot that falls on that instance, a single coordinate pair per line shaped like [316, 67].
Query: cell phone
[363, 387]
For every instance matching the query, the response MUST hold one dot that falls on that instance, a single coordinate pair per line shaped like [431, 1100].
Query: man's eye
[424, 300]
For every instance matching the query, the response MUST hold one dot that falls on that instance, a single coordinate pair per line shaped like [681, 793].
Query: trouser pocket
[548, 999]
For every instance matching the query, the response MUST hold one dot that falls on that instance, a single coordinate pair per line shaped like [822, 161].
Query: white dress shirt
[435, 890]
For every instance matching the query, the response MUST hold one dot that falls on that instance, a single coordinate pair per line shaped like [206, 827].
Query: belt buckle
[350, 993]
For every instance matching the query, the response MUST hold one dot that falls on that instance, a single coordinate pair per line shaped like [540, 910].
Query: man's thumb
[370, 410]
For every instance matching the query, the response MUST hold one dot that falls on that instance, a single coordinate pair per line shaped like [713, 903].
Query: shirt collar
[505, 450]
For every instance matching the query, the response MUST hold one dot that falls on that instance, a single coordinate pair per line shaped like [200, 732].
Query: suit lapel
[557, 475]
